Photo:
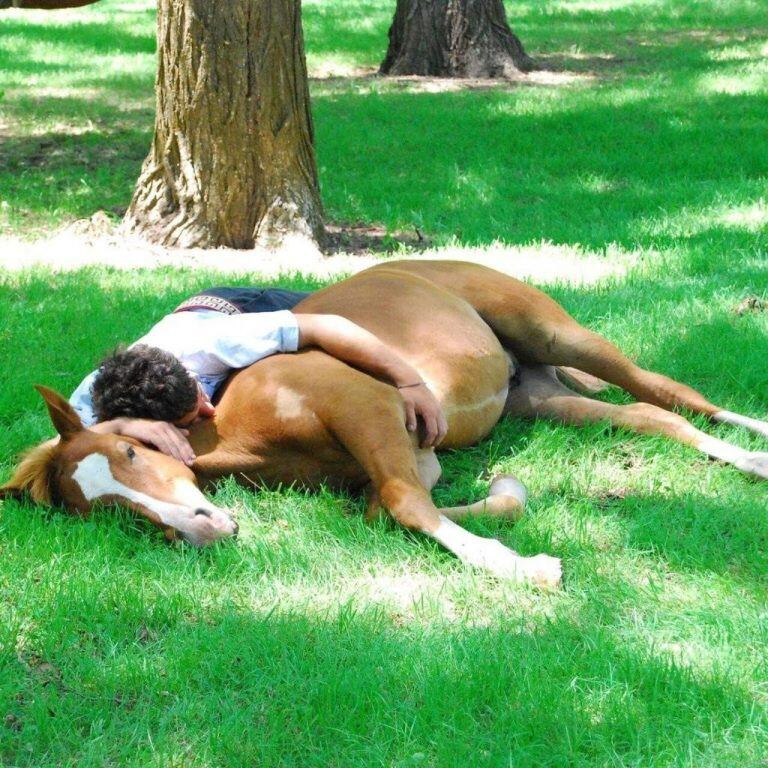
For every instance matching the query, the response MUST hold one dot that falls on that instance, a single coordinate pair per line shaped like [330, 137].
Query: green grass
[316, 640]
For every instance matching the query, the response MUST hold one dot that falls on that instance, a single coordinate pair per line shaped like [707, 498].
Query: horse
[486, 344]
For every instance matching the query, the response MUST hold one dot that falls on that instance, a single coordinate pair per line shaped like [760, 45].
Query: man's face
[203, 408]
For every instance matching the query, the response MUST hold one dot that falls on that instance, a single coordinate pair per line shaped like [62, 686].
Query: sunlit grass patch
[752, 79]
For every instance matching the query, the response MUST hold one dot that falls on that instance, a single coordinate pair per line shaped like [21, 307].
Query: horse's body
[290, 417]
[485, 343]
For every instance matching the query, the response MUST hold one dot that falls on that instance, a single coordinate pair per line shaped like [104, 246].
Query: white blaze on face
[94, 476]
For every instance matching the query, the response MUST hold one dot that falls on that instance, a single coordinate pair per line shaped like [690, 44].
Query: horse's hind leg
[538, 330]
[551, 336]
[539, 393]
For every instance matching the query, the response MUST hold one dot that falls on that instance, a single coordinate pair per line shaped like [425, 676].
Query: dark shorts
[235, 301]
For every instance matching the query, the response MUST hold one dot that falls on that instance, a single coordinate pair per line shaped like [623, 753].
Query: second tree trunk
[453, 38]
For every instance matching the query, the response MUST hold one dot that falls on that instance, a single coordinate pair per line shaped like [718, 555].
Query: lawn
[315, 639]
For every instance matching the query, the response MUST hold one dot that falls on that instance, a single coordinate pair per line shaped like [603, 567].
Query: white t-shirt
[209, 345]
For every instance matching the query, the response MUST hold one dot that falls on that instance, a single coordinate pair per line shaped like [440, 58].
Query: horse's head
[84, 468]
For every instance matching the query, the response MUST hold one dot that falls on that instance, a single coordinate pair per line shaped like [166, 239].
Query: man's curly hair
[143, 382]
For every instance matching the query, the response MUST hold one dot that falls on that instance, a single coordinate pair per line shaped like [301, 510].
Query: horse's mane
[34, 475]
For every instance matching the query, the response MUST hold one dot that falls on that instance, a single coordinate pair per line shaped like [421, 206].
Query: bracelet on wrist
[406, 386]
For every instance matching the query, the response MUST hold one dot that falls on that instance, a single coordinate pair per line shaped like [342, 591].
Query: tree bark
[454, 38]
[232, 160]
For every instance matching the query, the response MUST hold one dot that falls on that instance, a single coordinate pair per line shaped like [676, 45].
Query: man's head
[147, 383]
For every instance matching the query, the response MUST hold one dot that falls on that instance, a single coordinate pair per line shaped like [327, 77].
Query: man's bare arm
[354, 345]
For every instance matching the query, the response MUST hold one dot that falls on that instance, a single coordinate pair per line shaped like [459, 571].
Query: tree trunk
[453, 38]
[232, 161]
[50, 5]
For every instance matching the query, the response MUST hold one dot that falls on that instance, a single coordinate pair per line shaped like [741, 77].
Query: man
[167, 379]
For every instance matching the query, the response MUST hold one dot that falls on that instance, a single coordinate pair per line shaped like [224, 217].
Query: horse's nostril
[203, 512]
[236, 529]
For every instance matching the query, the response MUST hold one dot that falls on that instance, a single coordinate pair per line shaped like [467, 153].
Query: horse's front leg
[371, 426]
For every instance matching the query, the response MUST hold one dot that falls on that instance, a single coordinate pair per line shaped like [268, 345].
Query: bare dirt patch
[552, 75]
[98, 242]
[361, 238]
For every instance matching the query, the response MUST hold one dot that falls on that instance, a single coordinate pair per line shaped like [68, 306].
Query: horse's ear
[63, 415]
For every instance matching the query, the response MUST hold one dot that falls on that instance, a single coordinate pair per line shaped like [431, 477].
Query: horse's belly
[473, 401]
[334, 469]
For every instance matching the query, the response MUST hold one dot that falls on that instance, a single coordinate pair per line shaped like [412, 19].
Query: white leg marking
[493, 556]
[719, 449]
[752, 463]
[509, 485]
[754, 425]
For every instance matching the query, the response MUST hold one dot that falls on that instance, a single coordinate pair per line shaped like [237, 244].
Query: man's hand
[419, 401]
[166, 437]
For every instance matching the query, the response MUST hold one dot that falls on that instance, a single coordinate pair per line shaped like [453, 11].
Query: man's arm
[354, 345]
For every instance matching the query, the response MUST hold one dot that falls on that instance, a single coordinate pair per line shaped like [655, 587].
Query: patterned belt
[203, 301]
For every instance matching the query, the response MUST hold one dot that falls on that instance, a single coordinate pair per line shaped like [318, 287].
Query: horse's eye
[131, 453]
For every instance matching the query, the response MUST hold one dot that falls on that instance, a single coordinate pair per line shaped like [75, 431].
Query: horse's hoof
[754, 464]
[508, 485]
[541, 570]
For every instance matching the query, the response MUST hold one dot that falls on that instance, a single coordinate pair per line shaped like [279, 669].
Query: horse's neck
[208, 445]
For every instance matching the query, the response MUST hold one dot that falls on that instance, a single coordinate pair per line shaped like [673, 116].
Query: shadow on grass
[695, 533]
[82, 38]
[481, 166]
[580, 165]
[131, 675]
[51, 152]
[50, 173]
[127, 651]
